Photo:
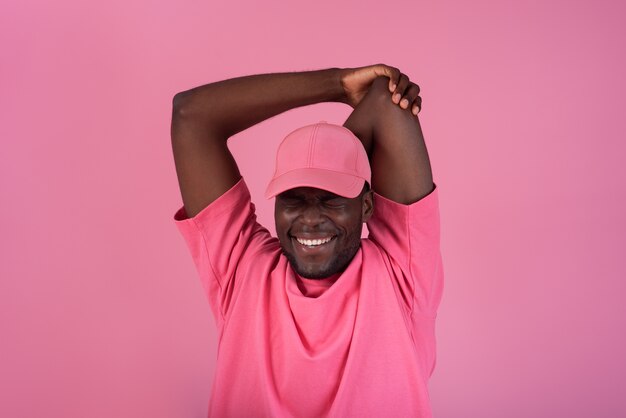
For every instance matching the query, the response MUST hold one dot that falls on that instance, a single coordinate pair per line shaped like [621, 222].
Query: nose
[312, 215]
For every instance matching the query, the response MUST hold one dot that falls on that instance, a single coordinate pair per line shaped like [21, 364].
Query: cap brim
[341, 184]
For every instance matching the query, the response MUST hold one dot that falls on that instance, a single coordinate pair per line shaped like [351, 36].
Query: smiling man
[316, 321]
[322, 187]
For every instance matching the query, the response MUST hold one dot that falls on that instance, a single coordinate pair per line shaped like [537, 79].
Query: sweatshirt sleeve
[217, 238]
[410, 236]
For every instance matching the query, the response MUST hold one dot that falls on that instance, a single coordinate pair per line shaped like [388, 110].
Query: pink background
[101, 310]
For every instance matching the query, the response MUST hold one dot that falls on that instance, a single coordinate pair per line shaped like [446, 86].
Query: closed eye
[290, 202]
[335, 203]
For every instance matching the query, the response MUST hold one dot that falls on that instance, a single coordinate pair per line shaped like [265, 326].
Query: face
[319, 231]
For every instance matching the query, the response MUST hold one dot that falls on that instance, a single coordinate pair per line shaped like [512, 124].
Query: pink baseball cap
[323, 155]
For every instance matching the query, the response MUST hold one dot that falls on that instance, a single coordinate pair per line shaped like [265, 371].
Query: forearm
[395, 144]
[230, 106]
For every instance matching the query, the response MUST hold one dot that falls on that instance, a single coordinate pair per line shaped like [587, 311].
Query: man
[316, 322]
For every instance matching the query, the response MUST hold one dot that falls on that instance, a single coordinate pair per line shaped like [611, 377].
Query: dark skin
[384, 118]
[305, 215]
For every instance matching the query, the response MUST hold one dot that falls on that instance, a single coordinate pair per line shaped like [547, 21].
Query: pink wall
[102, 313]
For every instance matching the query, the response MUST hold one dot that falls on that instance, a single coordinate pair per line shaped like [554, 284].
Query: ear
[367, 205]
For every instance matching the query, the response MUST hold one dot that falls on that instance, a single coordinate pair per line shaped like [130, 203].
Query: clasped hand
[357, 81]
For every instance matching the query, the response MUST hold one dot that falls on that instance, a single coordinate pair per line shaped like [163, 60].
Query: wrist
[337, 91]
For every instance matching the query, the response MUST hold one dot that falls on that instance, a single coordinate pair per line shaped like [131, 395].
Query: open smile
[312, 243]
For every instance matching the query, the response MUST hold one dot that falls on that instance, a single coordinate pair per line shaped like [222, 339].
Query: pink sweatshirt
[359, 344]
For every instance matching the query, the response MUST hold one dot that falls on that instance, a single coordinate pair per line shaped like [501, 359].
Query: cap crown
[323, 155]
[323, 146]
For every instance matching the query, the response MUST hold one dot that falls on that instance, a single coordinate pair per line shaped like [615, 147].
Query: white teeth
[313, 242]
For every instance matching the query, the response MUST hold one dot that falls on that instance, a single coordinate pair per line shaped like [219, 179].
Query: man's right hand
[357, 81]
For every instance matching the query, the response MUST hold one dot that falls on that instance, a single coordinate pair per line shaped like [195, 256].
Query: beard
[338, 264]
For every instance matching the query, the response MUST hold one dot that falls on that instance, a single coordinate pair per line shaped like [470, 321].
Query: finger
[403, 82]
[409, 96]
[417, 105]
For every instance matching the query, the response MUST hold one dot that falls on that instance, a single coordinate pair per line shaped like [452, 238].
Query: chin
[307, 273]
[314, 274]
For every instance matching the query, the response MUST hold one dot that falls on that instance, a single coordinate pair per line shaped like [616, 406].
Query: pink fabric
[323, 155]
[360, 344]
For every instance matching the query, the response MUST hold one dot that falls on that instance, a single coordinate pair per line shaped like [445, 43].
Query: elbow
[192, 105]
[181, 104]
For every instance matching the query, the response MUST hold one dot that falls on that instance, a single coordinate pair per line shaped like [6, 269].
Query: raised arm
[392, 136]
[204, 117]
